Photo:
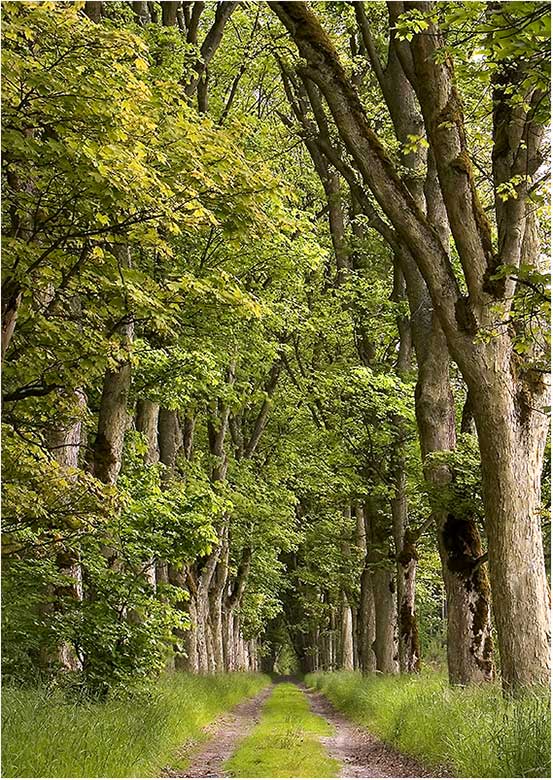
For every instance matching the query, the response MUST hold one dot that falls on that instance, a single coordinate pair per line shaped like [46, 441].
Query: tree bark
[210, 44]
[112, 421]
[385, 644]
[512, 434]
[170, 441]
[141, 12]
[112, 417]
[191, 638]
[65, 444]
[147, 418]
[365, 612]
[93, 9]
[169, 13]
[346, 660]
[406, 557]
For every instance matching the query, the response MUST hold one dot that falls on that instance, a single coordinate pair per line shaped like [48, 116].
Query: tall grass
[285, 743]
[472, 732]
[44, 735]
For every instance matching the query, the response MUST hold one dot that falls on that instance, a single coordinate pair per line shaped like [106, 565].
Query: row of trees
[255, 351]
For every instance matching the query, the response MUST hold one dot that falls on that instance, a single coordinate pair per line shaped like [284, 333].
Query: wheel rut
[360, 753]
[224, 735]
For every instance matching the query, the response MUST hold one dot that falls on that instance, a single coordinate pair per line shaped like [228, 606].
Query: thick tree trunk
[170, 440]
[386, 642]
[469, 643]
[113, 417]
[141, 12]
[512, 432]
[169, 13]
[112, 424]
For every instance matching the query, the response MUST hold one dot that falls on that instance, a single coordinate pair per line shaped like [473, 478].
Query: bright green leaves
[412, 23]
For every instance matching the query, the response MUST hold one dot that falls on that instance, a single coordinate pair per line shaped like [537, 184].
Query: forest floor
[358, 753]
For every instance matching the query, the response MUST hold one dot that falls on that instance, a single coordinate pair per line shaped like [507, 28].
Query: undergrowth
[133, 735]
[472, 732]
[284, 743]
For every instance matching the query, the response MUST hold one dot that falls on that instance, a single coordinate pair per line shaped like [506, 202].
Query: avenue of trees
[275, 338]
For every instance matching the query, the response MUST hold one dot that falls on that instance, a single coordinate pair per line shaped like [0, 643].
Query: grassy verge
[284, 743]
[472, 731]
[45, 736]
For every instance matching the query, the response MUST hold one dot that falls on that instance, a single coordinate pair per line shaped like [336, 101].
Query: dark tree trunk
[169, 13]
[93, 9]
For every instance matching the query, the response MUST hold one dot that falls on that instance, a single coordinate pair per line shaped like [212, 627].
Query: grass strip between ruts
[285, 742]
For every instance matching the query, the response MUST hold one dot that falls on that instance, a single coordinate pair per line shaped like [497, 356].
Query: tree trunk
[65, 444]
[141, 12]
[112, 417]
[346, 661]
[512, 433]
[365, 612]
[191, 639]
[112, 424]
[12, 295]
[93, 9]
[406, 557]
[177, 577]
[202, 628]
[170, 440]
[385, 608]
[216, 625]
[162, 578]
[169, 13]
[228, 641]
[469, 643]
[147, 418]
[385, 644]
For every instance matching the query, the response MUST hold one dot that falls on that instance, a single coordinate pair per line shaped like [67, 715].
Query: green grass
[473, 732]
[45, 736]
[284, 743]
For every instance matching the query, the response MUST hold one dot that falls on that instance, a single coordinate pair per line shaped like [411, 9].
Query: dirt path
[224, 735]
[361, 754]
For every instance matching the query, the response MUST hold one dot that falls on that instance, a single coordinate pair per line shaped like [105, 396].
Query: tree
[508, 398]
